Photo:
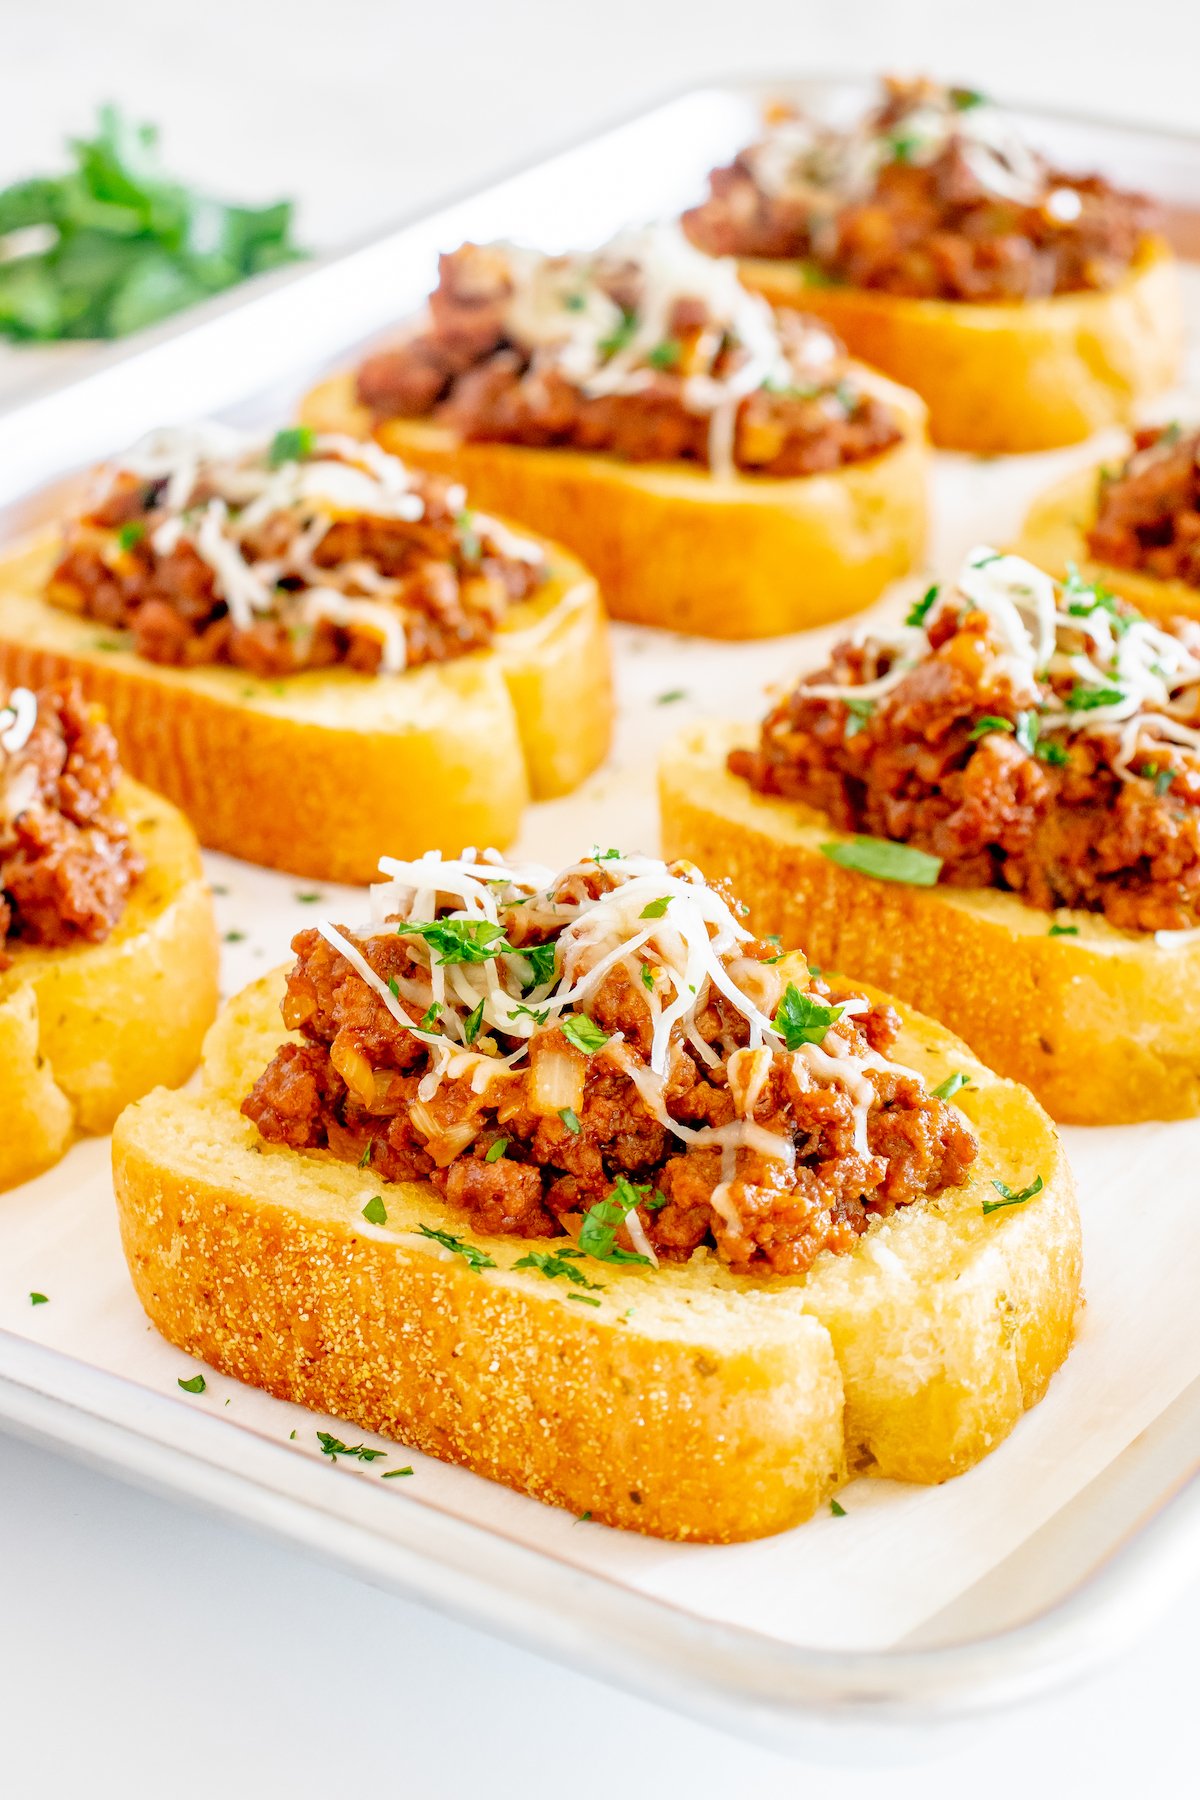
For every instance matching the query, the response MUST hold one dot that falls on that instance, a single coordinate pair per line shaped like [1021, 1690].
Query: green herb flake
[1049, 752]
[459, 940]
[131, 534]
[963, 98]
[471, 1254]
[620, 336]
[309, 899]
[39, 1299]
[584, 1033]
[671, 696]
[472, 1022]
[1162, 778]
[393, 987]
[570, 1119]
[989, 722]
[664, 356]
[469, 539]
[196, 1385]
[1083, 698]
[583, 1518]
[884, 860]
[496, 1151]
[648, 977]
[802, 1020]
[430, 1017]
[953, 1084]
[837, 1509]
[1009, 1198]
[334, 1447]
[293, 444]
[375, 1212]
[604, 1218]
[541, 960]
[235, 937]
[656, 908]
[365, 1158]
[585, 1299]
[558, 1265]
[1057, 930]
[858, 714]
[394, 1474]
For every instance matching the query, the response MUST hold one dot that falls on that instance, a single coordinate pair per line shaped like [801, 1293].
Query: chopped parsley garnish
[671, 695]
[556, 1265]
[39, 1299]
[1063, 931]
[430, 1017]
[365, 1158]
[604, 855]
[982, 562]
[1028, 726]
[860, 711]
[953, 1084]
[604, 1218]
[656, 908]
[570, 1119]
[472, 545]
[574, 302]
[837, 1509]
[540, 958]
[584, 1033]
[375, 1212]
[647, 976]
[131, 534]
[1086, 597]
[885, 861]
[392, 1474]
[470, 1253]
[963, 99]
[1083, 698]
[334, 1447]
[1049, 752]
[620, 335]
[583, 1299]
[292, 444]
[196, 1385]
[1162, 778]
[235, 937]
[802, 1020]
[530, 1012]
[472, 1022]
[989, 722]
[393, 987]
[664, 356]
[496, 1151]
[1009, 1198]
[309, 899]
[460, 940]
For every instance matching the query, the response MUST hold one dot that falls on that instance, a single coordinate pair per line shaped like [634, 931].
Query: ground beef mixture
[952, 761]
[520, 1159]
[66, 861]
[1148, 511]
[917, 201]
[472, 369]
[445, 580]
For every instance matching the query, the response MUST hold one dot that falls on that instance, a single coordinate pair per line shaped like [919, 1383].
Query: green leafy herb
[472, 1022]
[583, 1518]
[196, 1385]
[496, 1151]
[860, 711]
[663, 356]
[1008, 1198]
[334, 1447]
[460, 940]
[837, 1509]
[472, 544]
[885, 860]
[375, 1212]
[989, 722]
[671, 695]
[953, 1084]
[965, 98]
[620, 335]
[131, 534]
[655, 908]
[1162, 778]
[309, 899]
[39, 1299]
[127, 245]
[1028, 726]
[992, 556]
[235, 937]
[604, 855]
[393, 1474]
[802, 1020]
[365, 1158]
[647, 976]
[540, 958]
[604, 1218]
[584, 1299]
[1049, 752]
[530, 1012]
[558, 1265]
[574, 302]
[470, 1253]
[903, 146]
[393, 987]
[430, 1017]
[570, 1119]
[584, 1033]
[293, 444]
[1083, 698]
[1063, 931]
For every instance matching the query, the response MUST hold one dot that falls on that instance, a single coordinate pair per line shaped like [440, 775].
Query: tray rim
[754, 1684]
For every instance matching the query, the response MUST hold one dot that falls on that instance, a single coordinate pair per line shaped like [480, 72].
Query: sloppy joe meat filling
[305, 553]
[1148, 510]
[598, 1109]
[66, 860]
[934, 195]
[646, 351]
[1033, 739]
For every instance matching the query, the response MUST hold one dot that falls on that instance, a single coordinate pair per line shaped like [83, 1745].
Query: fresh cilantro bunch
[114, 245]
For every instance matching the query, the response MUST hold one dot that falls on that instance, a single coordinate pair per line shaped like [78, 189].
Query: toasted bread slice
[674, 546]
[1054, 536]
[1103, 1025]
[1024, 375]
[687, 1402]
[86, 1029]
[313, 772]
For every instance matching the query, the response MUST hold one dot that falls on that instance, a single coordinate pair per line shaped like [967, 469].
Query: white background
[145, 1651]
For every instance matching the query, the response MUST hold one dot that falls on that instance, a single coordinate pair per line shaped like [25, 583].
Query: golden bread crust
[1103, 1026]
[672, 546]
[1027, 375]
[331, 765]
[690, 1403]
[87, 1029]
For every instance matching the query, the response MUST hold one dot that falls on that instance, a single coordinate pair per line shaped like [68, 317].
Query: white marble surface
[147, 1651]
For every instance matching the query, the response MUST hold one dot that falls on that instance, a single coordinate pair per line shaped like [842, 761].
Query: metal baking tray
[921, 1604]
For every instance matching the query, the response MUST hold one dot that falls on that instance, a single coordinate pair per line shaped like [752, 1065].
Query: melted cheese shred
[1132, 679]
